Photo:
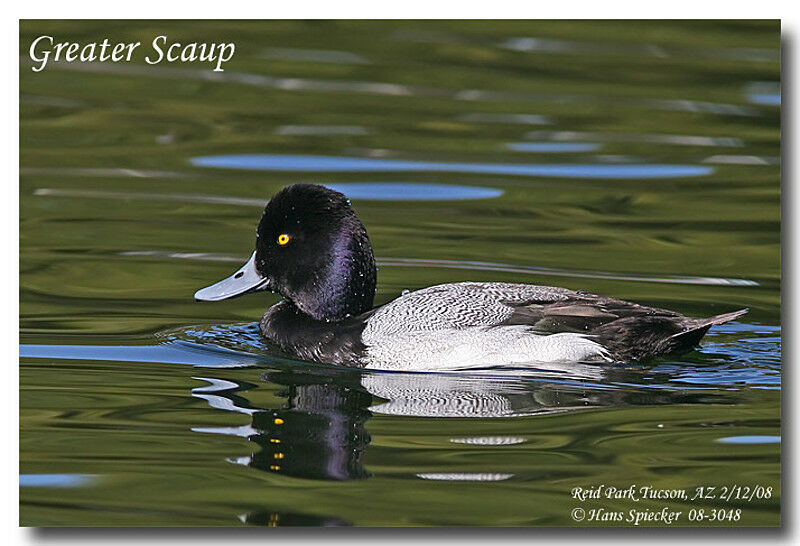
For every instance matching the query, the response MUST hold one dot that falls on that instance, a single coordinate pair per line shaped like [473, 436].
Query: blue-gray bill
[246, 280]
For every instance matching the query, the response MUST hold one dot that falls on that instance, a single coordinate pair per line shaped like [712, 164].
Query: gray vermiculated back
[455, 306]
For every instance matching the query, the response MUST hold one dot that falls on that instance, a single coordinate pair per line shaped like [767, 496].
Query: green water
[140, 407]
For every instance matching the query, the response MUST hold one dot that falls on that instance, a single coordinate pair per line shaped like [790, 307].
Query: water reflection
[325, 130]
[243, 78]
[519, 119]
[267, 518]
[320, 431]
[313, 422]
[314, 56]
[767, 99]
[549, 45]
[99, 172]
[318, 434]
[479, 266]
[700, 107]
[393, 89]
[650, 138]
[318, 163]
[764, 93]
[742, 160]
[490, 440]
[465, 476]
[750, 440]
[442, 395]
[59, 102]
[128, 195]
[408, 191]
[546, 45]
[55, 480]
[368, 191]
[176, 352]
[679, 105]
[553, 147]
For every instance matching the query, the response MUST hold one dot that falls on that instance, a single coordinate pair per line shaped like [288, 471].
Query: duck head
[312, 249]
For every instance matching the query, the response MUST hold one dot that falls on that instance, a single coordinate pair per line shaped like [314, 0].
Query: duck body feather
[471, 324]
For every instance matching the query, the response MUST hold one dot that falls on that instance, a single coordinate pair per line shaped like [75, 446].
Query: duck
[312, 250]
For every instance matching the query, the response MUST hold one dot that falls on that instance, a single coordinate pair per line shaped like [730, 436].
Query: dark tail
[723, 318]
[684, 341]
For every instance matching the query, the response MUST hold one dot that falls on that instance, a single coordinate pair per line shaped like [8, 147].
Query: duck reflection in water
[320, 433]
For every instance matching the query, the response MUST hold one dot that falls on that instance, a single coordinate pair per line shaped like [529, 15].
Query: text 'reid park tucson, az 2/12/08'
[46, 49]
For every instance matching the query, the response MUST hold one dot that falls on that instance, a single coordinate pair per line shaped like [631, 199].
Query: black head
[313, 250]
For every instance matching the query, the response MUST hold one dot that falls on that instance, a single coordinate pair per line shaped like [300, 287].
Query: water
[635, 160]
[310, 163]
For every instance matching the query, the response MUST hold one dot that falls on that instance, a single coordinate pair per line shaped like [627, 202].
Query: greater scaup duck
[312, 249]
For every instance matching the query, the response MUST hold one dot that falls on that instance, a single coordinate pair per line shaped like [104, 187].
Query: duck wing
[458, 306]
[580, 312]
[629, 331]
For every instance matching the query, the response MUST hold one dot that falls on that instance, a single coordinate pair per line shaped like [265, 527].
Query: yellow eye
[283, 239]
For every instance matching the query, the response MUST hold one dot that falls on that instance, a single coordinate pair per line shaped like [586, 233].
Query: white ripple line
[476, 266]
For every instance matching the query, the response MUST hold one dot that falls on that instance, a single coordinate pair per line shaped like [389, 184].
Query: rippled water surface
[637, 160]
